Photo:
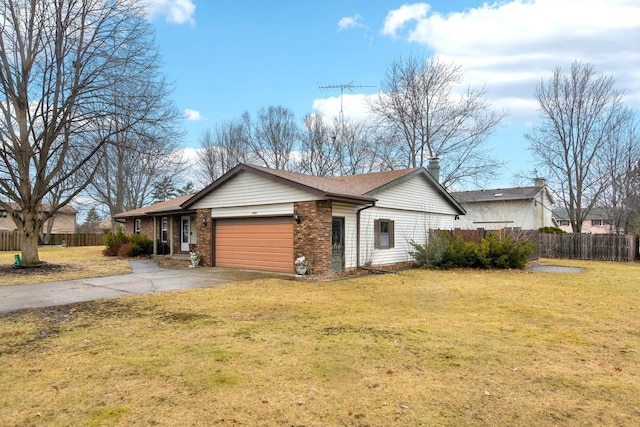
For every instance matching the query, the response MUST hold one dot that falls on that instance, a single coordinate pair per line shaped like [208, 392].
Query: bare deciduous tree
[222, 149]
[344, 147]
[418, 104]
[144, 152]
[580, 117]
[274, 136]
[59, 63]
[621, 161]
[360, 147]
[319, 152]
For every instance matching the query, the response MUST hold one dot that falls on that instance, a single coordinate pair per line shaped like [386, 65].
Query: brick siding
[205, 234]
[312, 237]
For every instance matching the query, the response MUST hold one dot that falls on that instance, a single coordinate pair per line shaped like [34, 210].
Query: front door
[337, 245]
[185, 234]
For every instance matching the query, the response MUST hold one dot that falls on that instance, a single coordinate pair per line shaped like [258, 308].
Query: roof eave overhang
[351, 199]
[170, 212]
[154, 213]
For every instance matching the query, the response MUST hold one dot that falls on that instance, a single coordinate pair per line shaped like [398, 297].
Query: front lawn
[62, 264]
[417, 348]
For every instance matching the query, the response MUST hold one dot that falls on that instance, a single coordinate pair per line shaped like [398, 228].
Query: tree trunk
[30, 230]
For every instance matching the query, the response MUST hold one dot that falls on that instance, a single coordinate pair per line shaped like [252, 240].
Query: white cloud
[350, 22]
[354, 106]
[192, 115]
[396, 19]
[510, 46]
[175, 11]
[190, 155]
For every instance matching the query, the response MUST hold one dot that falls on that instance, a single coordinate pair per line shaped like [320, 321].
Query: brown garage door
[256, 244]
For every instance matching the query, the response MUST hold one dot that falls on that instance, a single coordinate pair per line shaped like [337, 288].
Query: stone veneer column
[205, 234]
[312, 237]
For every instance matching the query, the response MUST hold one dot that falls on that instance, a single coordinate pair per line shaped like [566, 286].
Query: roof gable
[321, 186]
[358, 189]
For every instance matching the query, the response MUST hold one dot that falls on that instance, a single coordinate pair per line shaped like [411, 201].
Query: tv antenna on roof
[346, 86]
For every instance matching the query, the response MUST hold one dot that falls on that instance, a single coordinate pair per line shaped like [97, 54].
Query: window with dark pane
[383, 233]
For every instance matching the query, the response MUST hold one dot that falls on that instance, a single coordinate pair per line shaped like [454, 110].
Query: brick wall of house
[205, 234]
[312, 237]
[146, 226]
[175, 223]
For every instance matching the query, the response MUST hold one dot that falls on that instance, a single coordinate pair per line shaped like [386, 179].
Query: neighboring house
[596, 222]
[64, 220]
[519, 208]
[165, 222]
[260, 218]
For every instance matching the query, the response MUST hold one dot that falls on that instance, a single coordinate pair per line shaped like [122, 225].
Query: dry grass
[417, 348]
[62, 264]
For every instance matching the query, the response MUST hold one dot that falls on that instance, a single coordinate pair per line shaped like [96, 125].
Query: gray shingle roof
[594, 213]
[498, 194]
[348, 185]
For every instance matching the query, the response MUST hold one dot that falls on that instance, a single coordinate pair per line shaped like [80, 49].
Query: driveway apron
[146, 278]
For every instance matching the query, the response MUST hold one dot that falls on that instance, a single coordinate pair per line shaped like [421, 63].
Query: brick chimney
[434, 168]
[539, 182]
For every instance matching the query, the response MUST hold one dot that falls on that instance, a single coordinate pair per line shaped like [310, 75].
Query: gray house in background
[518, 208]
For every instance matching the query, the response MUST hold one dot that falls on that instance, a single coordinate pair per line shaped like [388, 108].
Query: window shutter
[376, 234]
[391, 234]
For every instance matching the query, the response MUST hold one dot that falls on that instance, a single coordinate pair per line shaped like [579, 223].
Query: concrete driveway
[146, 278]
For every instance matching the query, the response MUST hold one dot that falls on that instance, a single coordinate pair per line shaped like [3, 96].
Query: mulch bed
[44, 268]
[172, 263]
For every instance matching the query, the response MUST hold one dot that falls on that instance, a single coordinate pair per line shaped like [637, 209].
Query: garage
[255, 243]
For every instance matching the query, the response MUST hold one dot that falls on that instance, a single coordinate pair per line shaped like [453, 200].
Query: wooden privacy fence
[88, 239]
[600, 247]
[10, 240]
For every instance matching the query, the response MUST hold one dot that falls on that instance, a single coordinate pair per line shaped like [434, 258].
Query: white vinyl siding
[413, 205]
[525, 214]
[414, 194]
[498, 215]
[543, 211]
[408, 226]
[253, 210]
[248, 189]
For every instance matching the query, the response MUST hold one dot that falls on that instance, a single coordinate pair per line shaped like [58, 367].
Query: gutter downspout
[358, 232]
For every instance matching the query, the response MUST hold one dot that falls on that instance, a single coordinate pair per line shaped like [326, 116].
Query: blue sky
[227, 57]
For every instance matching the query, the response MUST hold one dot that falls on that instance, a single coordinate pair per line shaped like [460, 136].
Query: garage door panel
[254, 256]
[254, 241]
[259, 244]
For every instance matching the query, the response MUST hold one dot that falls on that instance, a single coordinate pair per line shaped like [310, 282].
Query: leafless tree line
[588, 143]
[273, 139]
[419, 115]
